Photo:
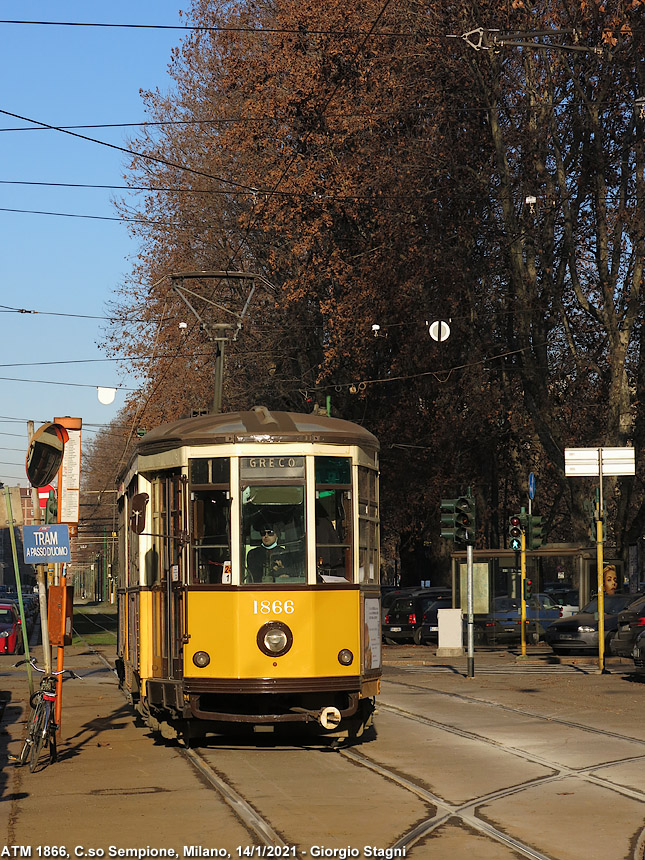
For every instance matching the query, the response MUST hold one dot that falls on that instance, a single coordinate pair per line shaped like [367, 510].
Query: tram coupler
[328, 717]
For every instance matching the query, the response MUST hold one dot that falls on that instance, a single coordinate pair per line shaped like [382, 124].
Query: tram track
[467, 813]
[473, 700]
[263, 829]
[92, 620]
[242, 808]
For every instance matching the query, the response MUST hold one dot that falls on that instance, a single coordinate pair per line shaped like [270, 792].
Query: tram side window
[210, 514]
[273, 535]
[211, 536]
[368, 538]
[333, 519]
[155, 558]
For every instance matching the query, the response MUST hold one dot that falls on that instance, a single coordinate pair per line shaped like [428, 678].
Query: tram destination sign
[272, 467]
[43, 544]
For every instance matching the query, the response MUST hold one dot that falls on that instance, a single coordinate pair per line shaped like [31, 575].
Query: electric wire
[269, 31]
[132, 153]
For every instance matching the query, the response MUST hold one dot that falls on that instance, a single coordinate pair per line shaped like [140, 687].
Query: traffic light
[448, 518]
[597, 516]
[535, 537]
[458, 519]
[528, 589]
[465, 532]
[51, 508]
[515, 532]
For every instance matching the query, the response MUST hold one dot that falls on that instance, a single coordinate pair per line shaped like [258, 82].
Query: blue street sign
[531, 486]
[43, 544]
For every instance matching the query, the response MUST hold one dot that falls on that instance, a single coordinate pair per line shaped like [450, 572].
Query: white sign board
[69, 486]
[581, 462]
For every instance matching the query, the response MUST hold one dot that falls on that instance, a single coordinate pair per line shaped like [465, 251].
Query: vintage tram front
[249, 574]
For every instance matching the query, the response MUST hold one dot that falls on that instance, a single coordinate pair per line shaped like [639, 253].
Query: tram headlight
[201, 659]
[345, 657]
[274, 638]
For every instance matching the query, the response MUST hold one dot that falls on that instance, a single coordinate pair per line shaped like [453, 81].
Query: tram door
[169, 529]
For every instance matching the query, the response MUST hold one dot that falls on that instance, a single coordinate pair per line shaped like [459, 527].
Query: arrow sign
[531, 486]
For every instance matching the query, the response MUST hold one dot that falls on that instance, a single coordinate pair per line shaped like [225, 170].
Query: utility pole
[41, 575]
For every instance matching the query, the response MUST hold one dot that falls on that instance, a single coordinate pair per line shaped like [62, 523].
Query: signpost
[48, 543]
[69, 474]
[589, 462]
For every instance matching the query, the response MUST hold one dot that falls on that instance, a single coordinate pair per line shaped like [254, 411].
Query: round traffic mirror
[45, 454]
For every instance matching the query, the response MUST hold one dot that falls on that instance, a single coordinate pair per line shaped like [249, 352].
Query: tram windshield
[273, 534]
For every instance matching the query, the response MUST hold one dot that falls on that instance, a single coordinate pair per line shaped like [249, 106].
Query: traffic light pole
[601, 580]
[523, 593]
[469, 610]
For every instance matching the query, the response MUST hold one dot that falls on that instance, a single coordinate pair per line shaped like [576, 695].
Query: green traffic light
[535, 535]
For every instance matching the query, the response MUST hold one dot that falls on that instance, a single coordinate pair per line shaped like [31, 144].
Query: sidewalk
[113, 785]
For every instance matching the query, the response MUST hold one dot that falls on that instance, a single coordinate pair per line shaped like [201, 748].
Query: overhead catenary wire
[205, 28]
[130, 152]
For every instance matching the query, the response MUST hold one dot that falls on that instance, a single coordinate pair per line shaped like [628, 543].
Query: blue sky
[52, 264]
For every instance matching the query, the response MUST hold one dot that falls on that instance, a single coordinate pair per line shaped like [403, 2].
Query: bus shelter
[496, 573]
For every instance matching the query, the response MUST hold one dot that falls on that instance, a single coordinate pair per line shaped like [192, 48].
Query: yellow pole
[523, 587]
[601, 594]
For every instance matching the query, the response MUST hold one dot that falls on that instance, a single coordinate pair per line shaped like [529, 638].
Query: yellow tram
[249, 575]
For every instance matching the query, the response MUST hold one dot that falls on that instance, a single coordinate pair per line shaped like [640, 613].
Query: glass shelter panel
[333, 519]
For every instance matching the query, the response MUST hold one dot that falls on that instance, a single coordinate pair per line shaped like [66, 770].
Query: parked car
[428, 630]
[10, 633]
[567, 600]
[631, 623]
[389, 595]
[639, 654]
[504, 623]
[579, 632]
[406, 613]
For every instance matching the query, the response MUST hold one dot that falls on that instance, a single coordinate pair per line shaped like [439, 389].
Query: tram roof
[257, 425]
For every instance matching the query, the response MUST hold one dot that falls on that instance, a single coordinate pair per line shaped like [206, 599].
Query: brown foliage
[374, 171]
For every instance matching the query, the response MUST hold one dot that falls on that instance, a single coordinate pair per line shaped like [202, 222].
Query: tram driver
[269, 561]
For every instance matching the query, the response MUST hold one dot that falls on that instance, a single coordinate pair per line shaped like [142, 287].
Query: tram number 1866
[273, 607]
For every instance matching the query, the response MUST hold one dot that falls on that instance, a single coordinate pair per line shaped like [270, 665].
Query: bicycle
[41, 727]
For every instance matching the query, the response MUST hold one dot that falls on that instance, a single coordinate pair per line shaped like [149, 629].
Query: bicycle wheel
[40, 729]
[26, 746]
[29, 736]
